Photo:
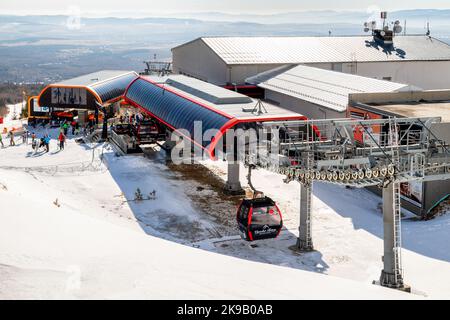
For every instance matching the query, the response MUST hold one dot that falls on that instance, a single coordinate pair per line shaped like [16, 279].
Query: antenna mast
[383, 35]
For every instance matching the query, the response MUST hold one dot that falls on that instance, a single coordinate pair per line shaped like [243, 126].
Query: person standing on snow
[73, 124]
[47, 140]
[66, 128]
[11, 138]
[25, 137]
[1, 140]
[33, 137]
[77, 128]
[62, 140]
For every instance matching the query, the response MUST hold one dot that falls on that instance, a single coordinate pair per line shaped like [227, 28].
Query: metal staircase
[397, 224]
[398, 271]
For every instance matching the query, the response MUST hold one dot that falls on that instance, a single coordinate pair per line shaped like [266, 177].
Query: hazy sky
[233, 6]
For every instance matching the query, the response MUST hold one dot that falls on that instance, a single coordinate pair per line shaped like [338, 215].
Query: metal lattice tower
[357, 153]
[304, 242]
[398, 272]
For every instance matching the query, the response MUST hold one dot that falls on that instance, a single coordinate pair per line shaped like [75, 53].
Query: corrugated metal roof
[323, 87]
[199, 90]
[96, 78]
[296, 50]
[207, 91]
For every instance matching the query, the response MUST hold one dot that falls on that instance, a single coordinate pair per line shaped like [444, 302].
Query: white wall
[197, 60]
[424, 74]
[310, 110]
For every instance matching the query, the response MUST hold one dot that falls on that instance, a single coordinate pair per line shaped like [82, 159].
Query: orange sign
[360, 114]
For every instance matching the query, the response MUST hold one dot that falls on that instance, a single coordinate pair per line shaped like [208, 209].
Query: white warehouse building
[318, 93]
[422, 61]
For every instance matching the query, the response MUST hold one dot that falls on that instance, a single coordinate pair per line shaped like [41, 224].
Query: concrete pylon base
[304, 246]
[233, 185]
[388, 280]
[234, 189]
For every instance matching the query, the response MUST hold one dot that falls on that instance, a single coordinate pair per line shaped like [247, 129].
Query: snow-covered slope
[92, 243]
[348, 232]
[59, 252]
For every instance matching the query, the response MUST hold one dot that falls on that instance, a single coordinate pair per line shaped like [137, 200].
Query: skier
[62, 139]
[1, 141]
[40, 144]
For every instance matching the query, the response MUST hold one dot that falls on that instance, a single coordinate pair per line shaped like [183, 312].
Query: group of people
[62, 136]
[44, 141]
[131, 118]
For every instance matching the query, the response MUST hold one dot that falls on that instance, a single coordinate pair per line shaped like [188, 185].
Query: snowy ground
[347, 234]
[93, 242]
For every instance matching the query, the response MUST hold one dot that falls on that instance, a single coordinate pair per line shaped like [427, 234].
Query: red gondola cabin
[259, 219]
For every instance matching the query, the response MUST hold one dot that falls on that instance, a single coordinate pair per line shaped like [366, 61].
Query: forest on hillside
[14, 93]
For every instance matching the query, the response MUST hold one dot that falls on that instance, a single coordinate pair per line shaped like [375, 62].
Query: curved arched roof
[180, 102]
[105, 86]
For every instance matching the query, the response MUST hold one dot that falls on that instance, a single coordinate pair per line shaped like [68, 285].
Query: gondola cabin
[147, 131]
[259, 219]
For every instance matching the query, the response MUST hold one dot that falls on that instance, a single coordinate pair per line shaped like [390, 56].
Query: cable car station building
[418, 197]
[86, 92]
[179, 102]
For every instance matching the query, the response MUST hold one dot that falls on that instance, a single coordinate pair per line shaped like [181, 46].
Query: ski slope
[67, 231]
[51, 252]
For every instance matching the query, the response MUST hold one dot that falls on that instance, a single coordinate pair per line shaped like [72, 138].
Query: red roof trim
[230, 124]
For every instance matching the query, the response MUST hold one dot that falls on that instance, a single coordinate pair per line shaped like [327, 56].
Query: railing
[348, 152]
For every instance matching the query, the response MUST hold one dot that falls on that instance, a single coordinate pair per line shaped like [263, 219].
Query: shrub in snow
[138, 195]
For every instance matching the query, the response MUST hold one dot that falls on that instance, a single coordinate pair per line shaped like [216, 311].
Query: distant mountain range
[415, 17]
[47, 48]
